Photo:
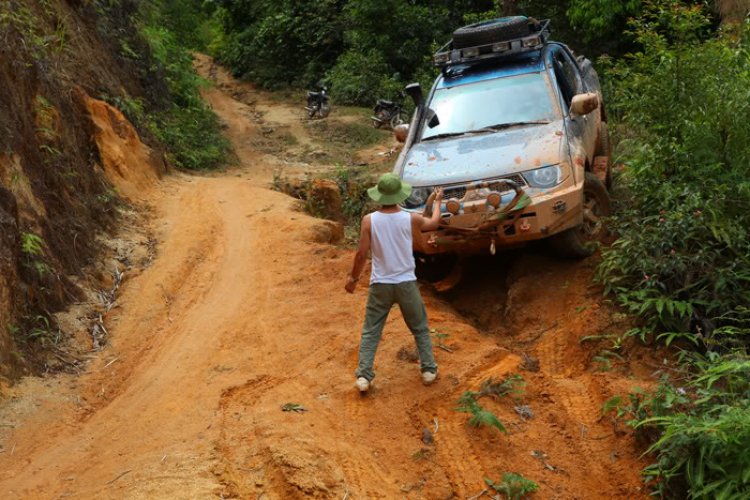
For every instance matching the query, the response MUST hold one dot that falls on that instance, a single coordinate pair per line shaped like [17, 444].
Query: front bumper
[550, 211]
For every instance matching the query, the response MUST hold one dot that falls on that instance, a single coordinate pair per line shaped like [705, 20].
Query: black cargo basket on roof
[448, 55]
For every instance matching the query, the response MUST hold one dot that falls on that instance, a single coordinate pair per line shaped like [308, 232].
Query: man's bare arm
[360, 258]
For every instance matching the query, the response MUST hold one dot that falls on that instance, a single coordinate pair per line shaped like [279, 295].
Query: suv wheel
[434, 268]
[576, 242]
[487, 32]
[605, 150]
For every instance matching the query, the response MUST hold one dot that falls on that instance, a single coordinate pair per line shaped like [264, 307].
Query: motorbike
[389, 113]
[318, 103]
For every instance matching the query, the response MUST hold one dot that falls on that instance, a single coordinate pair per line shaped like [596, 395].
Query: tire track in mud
[458, 456]
[232, 402]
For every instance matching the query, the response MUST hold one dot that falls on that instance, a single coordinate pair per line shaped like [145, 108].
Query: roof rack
[447, 56]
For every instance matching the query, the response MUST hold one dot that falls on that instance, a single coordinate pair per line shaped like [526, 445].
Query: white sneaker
[428, 377]
[363, 384]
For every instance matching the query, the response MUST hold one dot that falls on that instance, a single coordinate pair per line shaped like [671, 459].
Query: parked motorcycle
[318, 103]
[389, 113]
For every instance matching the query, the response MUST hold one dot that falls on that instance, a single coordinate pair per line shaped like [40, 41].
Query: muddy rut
[243, 311]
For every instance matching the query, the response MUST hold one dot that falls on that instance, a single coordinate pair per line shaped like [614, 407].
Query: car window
[565, 79]
[464, 108]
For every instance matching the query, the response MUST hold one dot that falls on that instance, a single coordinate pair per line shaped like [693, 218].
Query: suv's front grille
[459, 192]
[502, 187]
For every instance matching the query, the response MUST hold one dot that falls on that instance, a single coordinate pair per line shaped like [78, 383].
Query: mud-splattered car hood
[484, 156]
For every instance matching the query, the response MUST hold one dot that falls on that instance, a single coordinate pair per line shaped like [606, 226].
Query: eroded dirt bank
[243, 311]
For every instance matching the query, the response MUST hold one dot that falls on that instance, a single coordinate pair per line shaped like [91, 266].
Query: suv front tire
[580, 241]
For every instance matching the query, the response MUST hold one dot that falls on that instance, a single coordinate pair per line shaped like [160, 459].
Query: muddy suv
[514, 131]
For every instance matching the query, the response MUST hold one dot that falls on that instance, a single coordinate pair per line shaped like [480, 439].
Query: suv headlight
[417, 198]
[546, 177]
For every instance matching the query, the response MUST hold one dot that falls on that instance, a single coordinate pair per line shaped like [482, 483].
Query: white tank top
[392, 257]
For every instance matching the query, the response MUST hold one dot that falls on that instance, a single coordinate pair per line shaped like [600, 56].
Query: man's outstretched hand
[350, 285]
[438, 196]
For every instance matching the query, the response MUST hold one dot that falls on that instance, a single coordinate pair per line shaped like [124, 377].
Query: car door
[573, 73]
[573, 128]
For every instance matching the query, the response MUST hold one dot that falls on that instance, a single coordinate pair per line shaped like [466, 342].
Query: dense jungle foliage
[682, 260]
[178, 117]
[369, 49]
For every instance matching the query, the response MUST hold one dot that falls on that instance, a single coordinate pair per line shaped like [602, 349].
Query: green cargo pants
[379, 303]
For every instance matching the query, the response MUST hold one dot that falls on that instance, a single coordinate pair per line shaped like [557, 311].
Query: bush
[186, 126]
[700, 430]
[681, 262]
[282, 43]
[357, 77]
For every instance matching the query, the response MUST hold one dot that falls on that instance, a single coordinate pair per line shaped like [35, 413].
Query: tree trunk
[731, 11]
[509, 7]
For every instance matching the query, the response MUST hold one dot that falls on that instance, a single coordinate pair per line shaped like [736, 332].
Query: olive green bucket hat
[390, 190]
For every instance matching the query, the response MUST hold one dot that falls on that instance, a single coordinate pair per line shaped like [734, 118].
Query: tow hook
[525, 227]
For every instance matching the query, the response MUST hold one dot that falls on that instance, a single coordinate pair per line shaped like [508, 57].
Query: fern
[513, 486]
[467, 401]
[480, 417]
[493, 387]
[31, 244]
[485, 418]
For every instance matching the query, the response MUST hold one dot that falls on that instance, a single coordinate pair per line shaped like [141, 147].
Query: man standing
[388, 233]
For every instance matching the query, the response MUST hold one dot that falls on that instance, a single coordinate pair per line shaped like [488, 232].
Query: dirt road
[243, 311]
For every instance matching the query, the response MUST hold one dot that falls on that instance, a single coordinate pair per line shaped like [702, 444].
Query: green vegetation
[681, 263]
[699, 429]
[33, 250]
[189, 129]
[179, 118]
[498, 388]
[513, 486]
[353, 195]
[367, 49]
[479, 416]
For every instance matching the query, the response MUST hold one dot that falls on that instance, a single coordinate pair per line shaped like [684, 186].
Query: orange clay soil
[242, 312]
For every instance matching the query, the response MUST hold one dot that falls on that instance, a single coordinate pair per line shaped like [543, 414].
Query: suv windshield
[491, 103]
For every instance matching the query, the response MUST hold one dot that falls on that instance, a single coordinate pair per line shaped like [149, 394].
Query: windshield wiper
[445, 135]
[501, 126]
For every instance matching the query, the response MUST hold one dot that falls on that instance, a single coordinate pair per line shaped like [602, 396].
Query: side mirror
[414, 90]
[432, 118]
[401, 132]
[583, 104]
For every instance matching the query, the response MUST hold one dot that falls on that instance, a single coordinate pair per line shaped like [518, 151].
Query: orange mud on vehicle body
[514, 140]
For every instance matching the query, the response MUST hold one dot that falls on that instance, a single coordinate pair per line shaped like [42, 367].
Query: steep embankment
[65, 157]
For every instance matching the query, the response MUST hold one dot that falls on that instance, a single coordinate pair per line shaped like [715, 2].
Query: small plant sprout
[31, 244]
[439, 339]
[613, 403]
[495, 388]
[513, 486]
[479, 416]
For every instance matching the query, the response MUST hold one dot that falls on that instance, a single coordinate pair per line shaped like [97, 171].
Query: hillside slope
[66, 157]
